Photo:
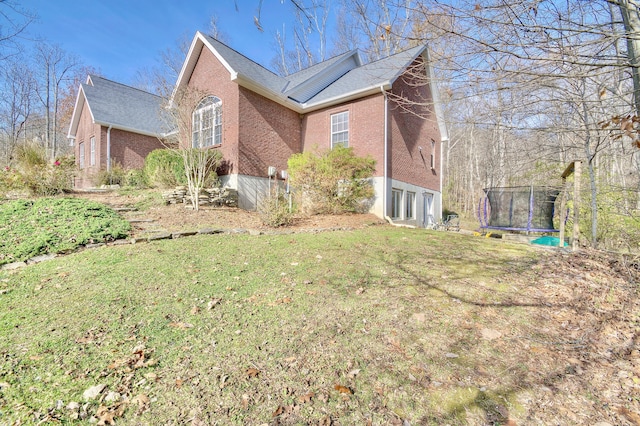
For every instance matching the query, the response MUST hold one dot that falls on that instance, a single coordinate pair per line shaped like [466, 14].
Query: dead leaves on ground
[181, 325]
[253, 372]
[138, 359]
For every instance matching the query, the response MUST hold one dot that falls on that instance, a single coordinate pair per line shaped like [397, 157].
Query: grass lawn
[377, 326]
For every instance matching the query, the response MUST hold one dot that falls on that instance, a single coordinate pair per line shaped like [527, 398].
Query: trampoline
[519, 208]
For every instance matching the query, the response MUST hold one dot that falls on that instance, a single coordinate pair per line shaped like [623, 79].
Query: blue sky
[119, 37]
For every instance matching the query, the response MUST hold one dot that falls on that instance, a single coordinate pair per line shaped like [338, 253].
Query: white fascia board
[437, 104]
[128, 129]
[81, 99]
[314, 77]
[248, 83]
[424, 52]
[188, 65]
[356, 94]
[216, 54]
[304, 108]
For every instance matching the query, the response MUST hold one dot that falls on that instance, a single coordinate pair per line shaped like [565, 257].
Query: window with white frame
[92, 150]
[396, 204]
[81, 155]
[433, 154]
[207, 123]
[340, 129]
[410, 205]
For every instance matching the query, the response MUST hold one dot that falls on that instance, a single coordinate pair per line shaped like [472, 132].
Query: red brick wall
[210, 77]
[86, 130]
[269, 134]
[128, 149]
[366, 128]
[410, 130]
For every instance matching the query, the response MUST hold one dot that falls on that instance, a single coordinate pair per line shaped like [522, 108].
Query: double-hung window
[207, 123]
[92, 158]
[81, 155]
[340, 129]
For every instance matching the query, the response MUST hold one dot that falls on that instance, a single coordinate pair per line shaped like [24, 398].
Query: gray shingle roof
[369, 75]
[247, 67]
[313, 87]
[114, 104]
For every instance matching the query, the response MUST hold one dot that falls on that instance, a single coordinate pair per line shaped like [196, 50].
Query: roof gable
[117, 105]
[329, 82]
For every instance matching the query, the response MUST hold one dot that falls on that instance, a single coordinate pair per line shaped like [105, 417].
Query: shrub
[40, 177]
[115, 176]
[274, 210]
[52, 225]
[335, 181]
[135, 179]
[164, 168]
[10, 179]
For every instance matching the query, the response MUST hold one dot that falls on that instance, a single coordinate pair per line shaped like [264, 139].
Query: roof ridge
[345, 54]
[422, 46]
[122, 84]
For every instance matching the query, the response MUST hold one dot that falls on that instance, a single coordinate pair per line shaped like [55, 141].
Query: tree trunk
[631, 20]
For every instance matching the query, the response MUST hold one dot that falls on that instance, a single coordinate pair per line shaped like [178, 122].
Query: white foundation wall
[425, 199]
[251, 189]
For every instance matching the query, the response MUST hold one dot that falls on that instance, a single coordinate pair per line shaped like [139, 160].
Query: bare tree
[16, 105]
[54, 70]
[199, 162]
[13, 23]
[308, 42]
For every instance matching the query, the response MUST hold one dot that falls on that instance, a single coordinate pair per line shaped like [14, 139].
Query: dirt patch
[177, 217]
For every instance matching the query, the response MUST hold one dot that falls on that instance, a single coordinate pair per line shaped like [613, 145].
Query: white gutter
[386, 163]
[109, 149]
[441, 195]
[127, 129]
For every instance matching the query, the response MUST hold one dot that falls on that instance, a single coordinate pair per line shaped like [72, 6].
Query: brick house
[113, 124]
[258, 119]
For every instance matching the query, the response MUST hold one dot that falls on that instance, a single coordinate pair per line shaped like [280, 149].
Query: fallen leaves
[343, 389]
[302, 399]
[253, 372]
[137, 359]
[181, 325]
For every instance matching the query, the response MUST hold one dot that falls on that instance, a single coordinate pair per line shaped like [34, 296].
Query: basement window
[396, 204]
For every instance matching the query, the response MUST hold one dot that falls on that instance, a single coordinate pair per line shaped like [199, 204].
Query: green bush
[115, 176]
[52, 225]
[335, 181]
[274, 210]
[164, 168]
[135, 179]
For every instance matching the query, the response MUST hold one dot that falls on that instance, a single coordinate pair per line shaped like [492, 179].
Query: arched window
[207, 123]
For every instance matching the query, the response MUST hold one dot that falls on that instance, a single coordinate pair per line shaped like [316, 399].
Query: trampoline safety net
[521, 208]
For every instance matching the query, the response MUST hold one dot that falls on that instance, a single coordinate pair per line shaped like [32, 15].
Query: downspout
[385, 185]
[441, 190]
[109, 149]
[386, 162]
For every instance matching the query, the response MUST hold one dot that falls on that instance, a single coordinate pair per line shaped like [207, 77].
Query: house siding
[413, 125]
[366, 128]
[269, 135]
[128, 149]
[86, 130]
[211, 78]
